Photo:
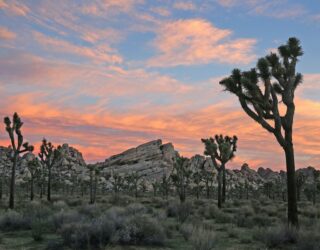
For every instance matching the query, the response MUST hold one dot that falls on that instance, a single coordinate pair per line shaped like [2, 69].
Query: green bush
[38, 228]
[62, 217]
[186, 231]
[275, 237]
[202, 239]
[141, 230]
[12, 221]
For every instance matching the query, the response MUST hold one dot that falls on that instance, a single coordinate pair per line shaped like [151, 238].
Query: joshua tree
[94, 173]
[220, 149]
[180, 177]
[117, 182]
[49, 156]
[134, 180]
[197, 179]
[165, 185]
[33, 167]
[14, 128]
[278, 77]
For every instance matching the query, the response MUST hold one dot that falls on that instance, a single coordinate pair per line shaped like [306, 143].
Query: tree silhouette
[49, 156]
[258, 90]
[221, 150]
[14, 130]
[34, 167]
[180, 177]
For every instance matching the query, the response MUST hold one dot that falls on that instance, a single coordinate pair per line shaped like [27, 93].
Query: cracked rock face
[152, 160]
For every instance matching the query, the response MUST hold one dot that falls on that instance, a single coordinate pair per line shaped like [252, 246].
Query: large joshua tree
[221, 149]
[18, 147]
[49, 156]
[260, 91]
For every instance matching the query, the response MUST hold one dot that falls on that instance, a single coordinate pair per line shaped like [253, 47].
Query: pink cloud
[99, 53]
[14, 7]
[6, 34]
[196, 41]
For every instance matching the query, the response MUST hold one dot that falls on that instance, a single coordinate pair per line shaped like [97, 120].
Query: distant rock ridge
[152, 159]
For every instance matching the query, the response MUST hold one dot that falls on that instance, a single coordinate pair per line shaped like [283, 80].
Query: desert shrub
[74, 202]
[63, 217]
[172, 208]
[121, 200]
[54, 245]
[245, 239]
[35, 211]
[141, 230]
[311, 212]
[12, 221]
[199, 203]
[211, 212]
[158, 202]
[76, 236]
[233, 232]
[202, 239]
[89, 210]
[59, 205]
[136, 208]
[38, 228]
[221, 217]
[184, 211]
[308, 240]
[261, 221]
[241, 220]
[275, 237]
[186, 231]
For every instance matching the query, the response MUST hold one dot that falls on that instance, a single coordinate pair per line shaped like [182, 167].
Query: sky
[108, 75]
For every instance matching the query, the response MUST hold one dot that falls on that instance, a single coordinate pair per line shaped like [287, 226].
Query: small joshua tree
[180, 177]
[117, 182]
[300, 181]
[133, 182]
[197, 180]
[14, 130]
[34, 167]
[165, 185]
[221, 150]
[94, 174]
[49, 156]
[259, 90]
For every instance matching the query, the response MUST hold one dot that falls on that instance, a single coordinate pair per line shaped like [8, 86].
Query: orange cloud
[196, 41]
[6, 34]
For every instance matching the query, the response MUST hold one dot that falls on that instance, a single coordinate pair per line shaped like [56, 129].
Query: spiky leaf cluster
[13, 128]
[48, 153]
[221, 148]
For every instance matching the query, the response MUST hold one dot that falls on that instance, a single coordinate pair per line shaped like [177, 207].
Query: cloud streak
[197, 41]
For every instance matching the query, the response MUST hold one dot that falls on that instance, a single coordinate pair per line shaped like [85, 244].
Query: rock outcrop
[152, 159]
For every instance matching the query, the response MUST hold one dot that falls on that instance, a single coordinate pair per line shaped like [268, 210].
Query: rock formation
[152, 159]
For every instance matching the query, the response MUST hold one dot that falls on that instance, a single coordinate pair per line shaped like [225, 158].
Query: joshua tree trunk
[12, 182]
[49, 185]
[291, 186]
[31, 189]
[91, 187]
[223, 183]
[219, 188]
